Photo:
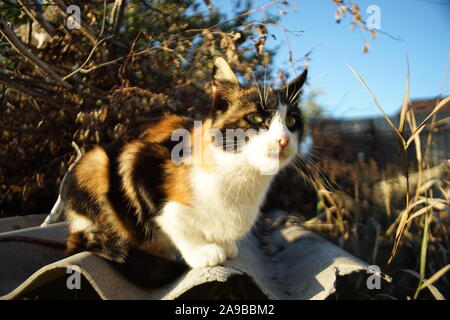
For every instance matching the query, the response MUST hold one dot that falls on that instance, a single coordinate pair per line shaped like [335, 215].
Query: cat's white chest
[225, 202]
[224, 206]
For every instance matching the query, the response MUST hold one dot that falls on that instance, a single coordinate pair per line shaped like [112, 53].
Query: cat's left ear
[224, 84]
[222, 74]
[291, 91]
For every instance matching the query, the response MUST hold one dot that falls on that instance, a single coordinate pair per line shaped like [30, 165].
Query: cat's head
[266, 123]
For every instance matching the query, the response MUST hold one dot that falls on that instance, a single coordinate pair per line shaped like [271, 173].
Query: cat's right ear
[224, 83]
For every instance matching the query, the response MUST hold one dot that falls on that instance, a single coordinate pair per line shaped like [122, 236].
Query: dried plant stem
[86, 31]
[36, 16]
[423, 251]
[10, 83]
[24, 51]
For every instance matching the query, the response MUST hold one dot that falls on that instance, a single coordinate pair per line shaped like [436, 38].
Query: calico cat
[135, 205]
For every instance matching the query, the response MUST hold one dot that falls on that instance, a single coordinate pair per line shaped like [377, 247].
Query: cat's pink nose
[283, 141]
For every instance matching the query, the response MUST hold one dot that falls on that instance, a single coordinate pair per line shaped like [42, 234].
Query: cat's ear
[222, 73]
[291, 91]
[224, 83]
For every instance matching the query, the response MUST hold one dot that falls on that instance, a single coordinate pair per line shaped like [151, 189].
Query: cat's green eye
[291, 121]
[255, 118]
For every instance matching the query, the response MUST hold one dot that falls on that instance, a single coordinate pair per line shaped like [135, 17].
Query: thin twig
[7, 81]
[37, 17]
[23, 50]
[117, 15]
[80, 68]
[133, 55]
[85, 30]
[240, 15]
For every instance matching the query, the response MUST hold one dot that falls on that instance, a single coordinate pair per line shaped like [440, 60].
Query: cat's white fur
[78, 222]
[227, 199]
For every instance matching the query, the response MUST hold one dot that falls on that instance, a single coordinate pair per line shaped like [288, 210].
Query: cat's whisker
[312, 168]
[316, 155]
[265, 87]
[287, 90]
[292, 99]
[318, 173]
[300, 164]
[303, 171]
[258, 89]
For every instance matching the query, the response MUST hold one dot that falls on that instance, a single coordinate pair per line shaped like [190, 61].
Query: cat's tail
[57, 212]
[140, 267]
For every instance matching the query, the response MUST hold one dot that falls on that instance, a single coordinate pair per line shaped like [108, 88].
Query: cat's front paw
[231, 250]
[208, 256]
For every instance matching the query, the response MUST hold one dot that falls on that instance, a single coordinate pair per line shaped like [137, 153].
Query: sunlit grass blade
[421, 126]
[378, 105]
[424, 248]
[439, 123]
[413, 126]
[434, 291]
[403, 112]
[435, 277]
[403, 154]
[398, 234]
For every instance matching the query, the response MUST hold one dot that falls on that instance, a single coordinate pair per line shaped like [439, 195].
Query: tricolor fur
[134, 205]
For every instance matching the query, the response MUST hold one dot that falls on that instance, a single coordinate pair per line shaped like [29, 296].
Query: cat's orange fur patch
[201, 143]
[126, 163]
[92, 172]
[162, 130]
[177, 185]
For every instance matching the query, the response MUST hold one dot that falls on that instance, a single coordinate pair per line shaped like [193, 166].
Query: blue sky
[423, 26]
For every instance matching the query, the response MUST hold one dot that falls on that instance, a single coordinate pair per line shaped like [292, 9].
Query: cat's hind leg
[105, 244]
[138, 266]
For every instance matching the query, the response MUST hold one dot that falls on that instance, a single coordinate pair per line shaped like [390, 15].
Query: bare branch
[37, 17]
[10, 83]
[164, 48]
[27, 53]
[117, 14]
[241, 15]
[86, 31]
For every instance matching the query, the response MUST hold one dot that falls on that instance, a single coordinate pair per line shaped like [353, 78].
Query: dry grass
[397, 217]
